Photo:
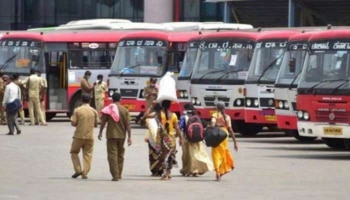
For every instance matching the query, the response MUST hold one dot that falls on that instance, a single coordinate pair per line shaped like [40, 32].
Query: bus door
[57, 77]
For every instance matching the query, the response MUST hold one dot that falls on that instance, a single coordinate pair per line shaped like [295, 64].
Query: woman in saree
[166, 137]
[221, 155]
[150, 138]
[195, 159]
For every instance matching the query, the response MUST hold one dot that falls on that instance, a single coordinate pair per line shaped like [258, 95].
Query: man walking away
[12, 92]
[116, 135]
[85, 119]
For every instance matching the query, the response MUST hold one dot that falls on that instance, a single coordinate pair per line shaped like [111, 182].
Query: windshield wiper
[215, 71]
[228, 72]
[127, 68]
[7, 61]
[327, 80]
[340, 85]
[294, 79]
[267, 68]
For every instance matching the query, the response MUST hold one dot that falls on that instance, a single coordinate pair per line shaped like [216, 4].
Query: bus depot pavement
[37, 165]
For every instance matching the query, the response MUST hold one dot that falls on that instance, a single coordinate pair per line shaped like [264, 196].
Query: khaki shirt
[85, 86]
[33, 84]
[21, 86]
[149, 90]
[100, 90]
[85, 118]
[117, 129]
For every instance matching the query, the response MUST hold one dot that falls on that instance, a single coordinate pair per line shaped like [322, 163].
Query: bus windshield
[188, 62]
[19, 56]
[325, 66]
[223, 60]
[140, 61]
[291, 66]
[91, 55]
[266, 61]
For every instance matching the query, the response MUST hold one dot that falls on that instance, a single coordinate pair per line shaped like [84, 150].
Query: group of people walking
[32, 89]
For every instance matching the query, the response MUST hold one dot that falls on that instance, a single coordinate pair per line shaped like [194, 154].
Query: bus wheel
[50, 115]
[334, 143]
[296, 135]
[75, 102]
[246, 129]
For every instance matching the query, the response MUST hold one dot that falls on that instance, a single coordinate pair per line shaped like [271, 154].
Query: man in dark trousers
[117, 130]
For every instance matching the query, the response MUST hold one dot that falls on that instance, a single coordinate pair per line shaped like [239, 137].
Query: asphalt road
[36, 165]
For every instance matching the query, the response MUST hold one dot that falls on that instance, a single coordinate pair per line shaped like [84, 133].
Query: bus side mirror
[291, 65]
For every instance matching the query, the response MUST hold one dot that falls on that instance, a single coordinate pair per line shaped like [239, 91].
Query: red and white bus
[259, 85]
[323, 100]
[183, 81]
[142, 55]
[219, 74]
[287, 82]
[62, 57]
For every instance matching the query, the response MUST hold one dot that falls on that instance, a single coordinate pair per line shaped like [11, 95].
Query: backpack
[195, 129]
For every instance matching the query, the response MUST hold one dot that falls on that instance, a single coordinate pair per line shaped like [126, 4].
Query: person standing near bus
[21, 86]
[86, 87]
[85, 119]
[42, 95]
[100, 90]
[33, 84]
[2, 90]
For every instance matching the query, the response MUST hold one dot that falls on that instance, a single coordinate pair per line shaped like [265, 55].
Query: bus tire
[50, 115]
[246, 129]
[334, 143]
[296, 135]
[74, 103]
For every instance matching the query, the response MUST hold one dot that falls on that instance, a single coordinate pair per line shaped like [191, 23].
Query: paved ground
[37, 165]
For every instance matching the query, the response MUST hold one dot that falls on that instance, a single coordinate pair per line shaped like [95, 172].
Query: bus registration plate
[270, 118]
[333, 131]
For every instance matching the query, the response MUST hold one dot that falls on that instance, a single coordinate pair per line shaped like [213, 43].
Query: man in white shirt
[12, 92]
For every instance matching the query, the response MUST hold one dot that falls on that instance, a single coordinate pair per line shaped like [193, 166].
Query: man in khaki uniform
[33, 83]
[85, 119]
[116, 135]
[100, 90]
[2, 90]
[85, 86]
[21, 86]
[42, 95]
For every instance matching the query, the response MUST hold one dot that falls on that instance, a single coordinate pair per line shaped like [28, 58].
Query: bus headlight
[185, 94]
[249, 102]
[238, 102]
[306, 116]
[193, 100]
[198, 102]
[286, 105]
[300, 114]
[280, 104]
[111, 92]
[256, 102]
[181, 94]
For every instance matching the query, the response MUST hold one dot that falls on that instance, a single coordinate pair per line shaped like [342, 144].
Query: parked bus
[259, 85]
[62, 57]
[287, 82]
[142, 55]
[219, 73]
[323, 91]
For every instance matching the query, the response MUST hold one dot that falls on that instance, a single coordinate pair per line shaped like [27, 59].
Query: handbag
[13, 106]
[214, 136]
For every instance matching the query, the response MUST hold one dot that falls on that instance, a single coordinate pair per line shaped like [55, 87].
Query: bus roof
[277, 35]
[162, 35]
[76, 36]
[224, 26]
[113, 26]
[304, 36]
[331, 34]
[232, 34]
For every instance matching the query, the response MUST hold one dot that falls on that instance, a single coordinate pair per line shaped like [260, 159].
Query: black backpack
[195, 129]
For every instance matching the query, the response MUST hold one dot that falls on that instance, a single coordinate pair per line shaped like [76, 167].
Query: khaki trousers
[87, 146]
[115, 152]
[99, 103]
[34, 106]
[2, 111]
